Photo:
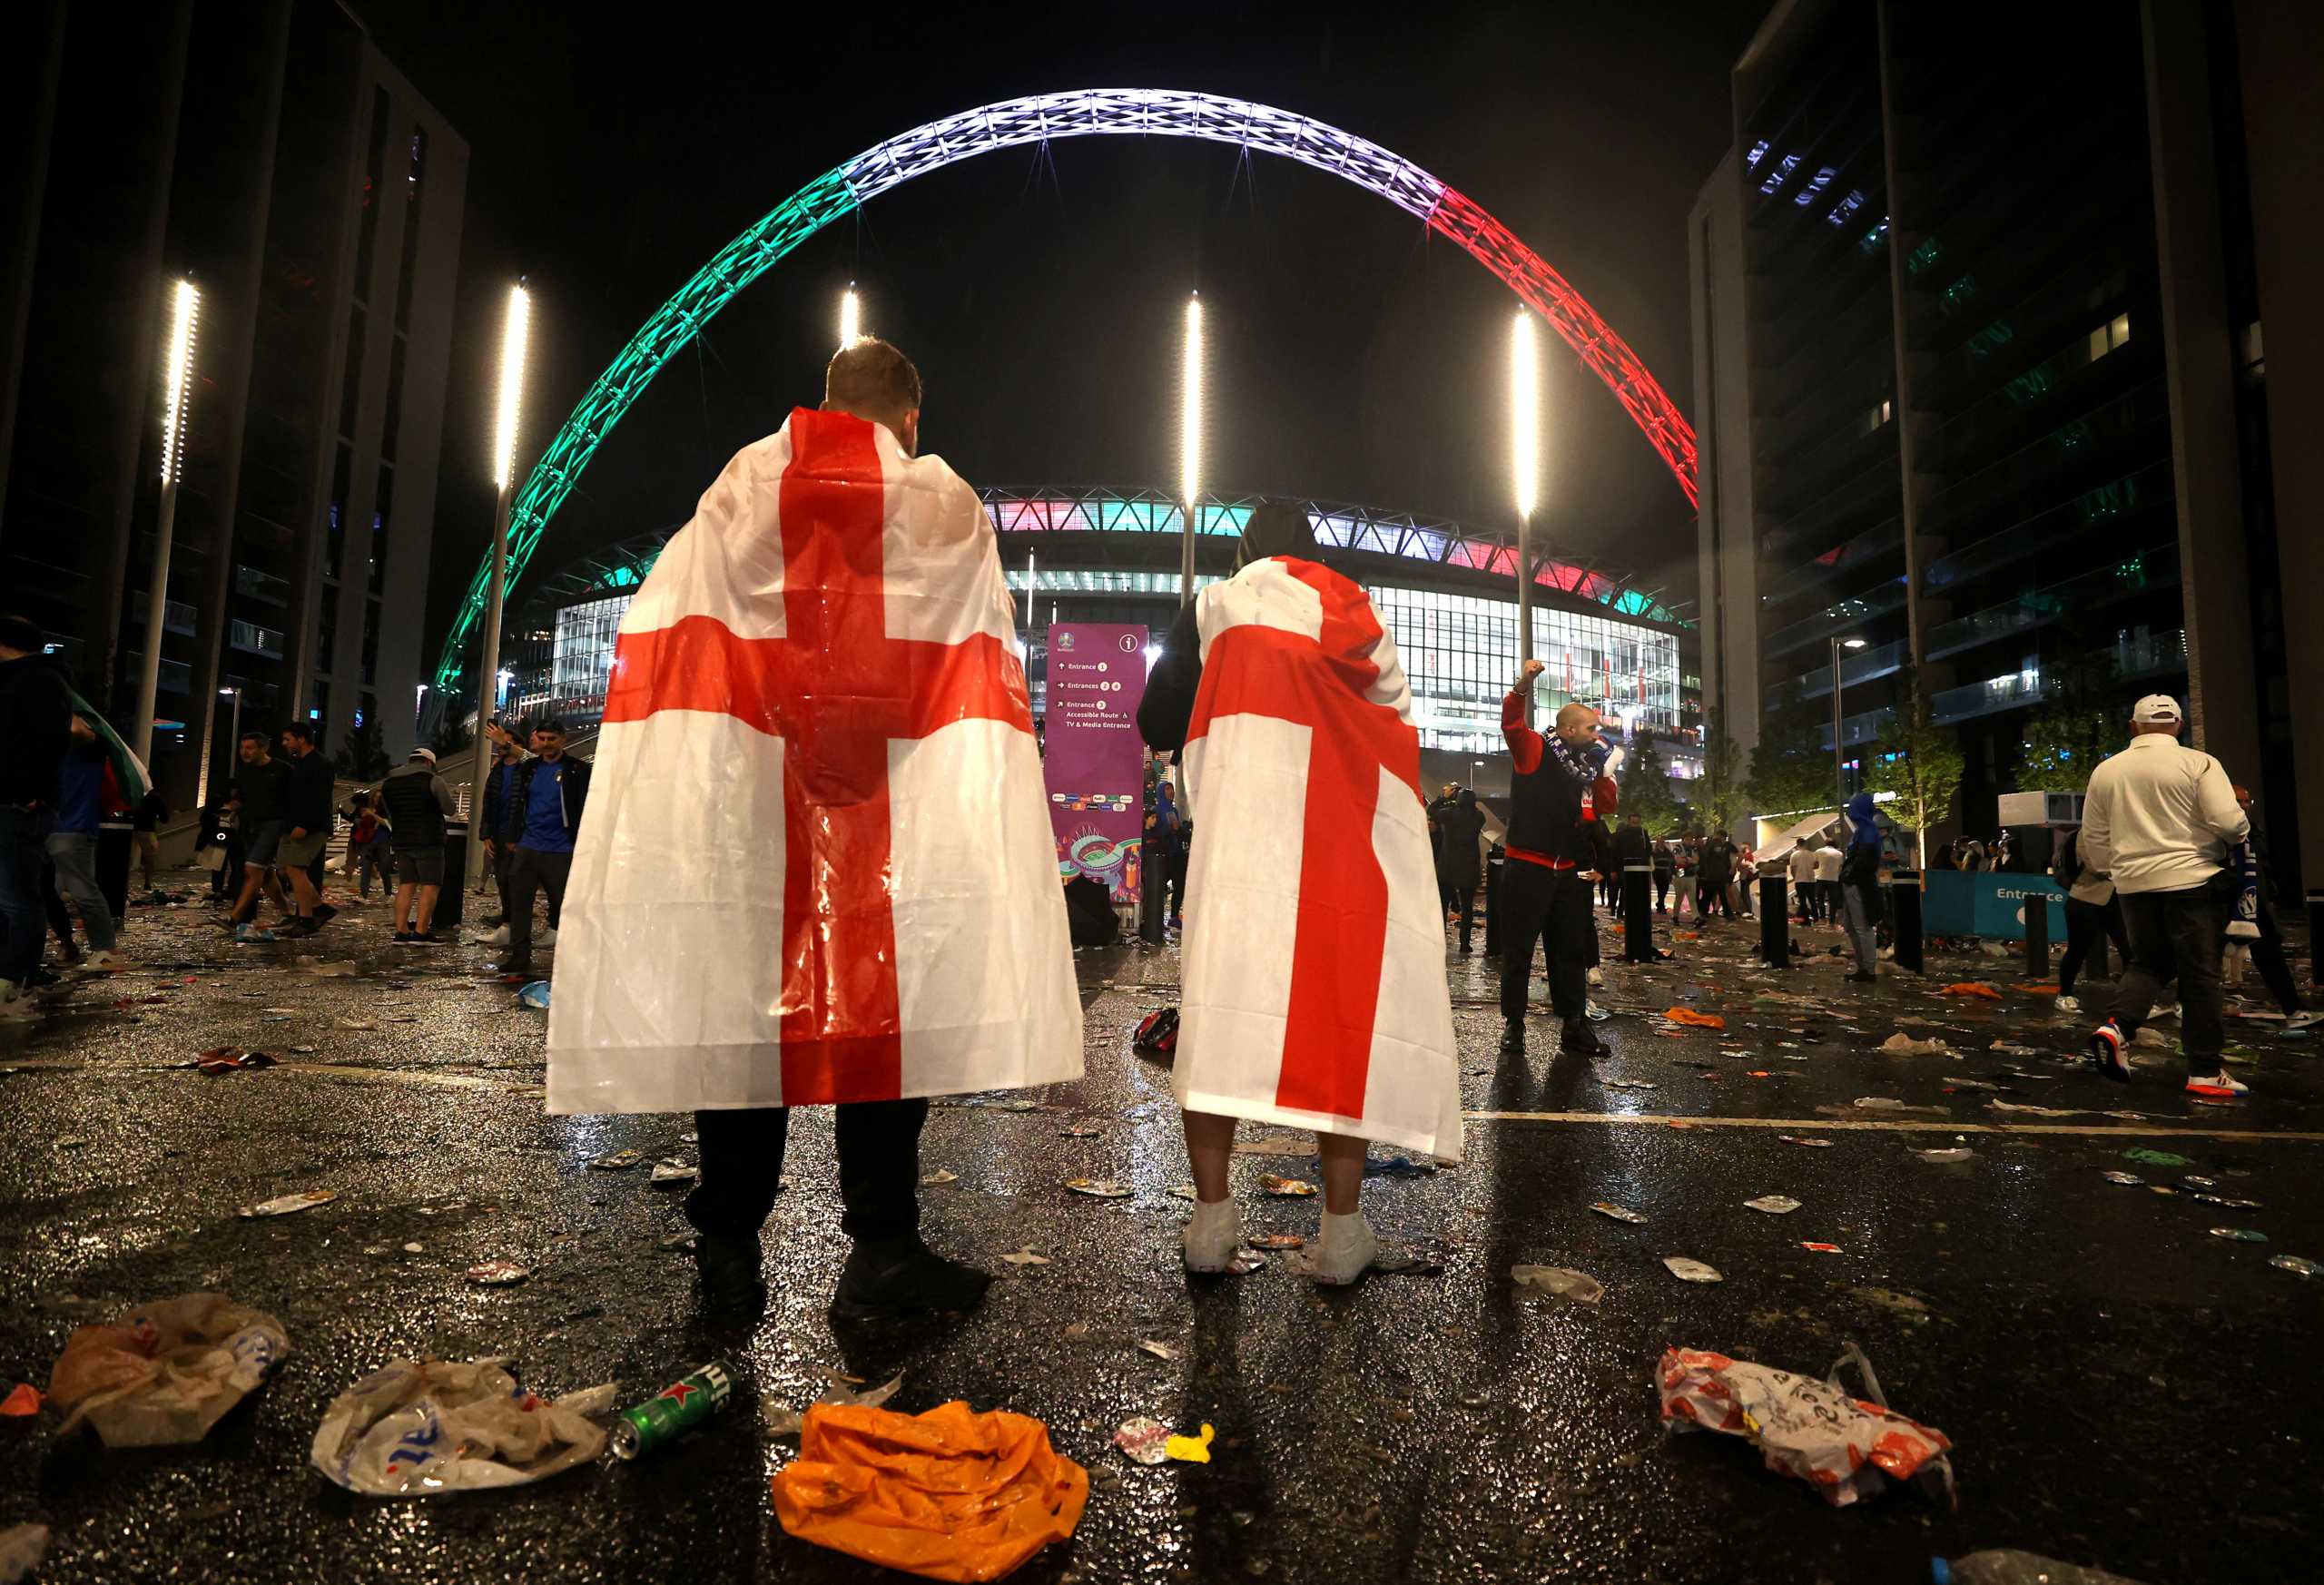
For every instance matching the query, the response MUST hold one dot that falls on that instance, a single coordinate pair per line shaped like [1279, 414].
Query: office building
[1980, 382]
[272, 155]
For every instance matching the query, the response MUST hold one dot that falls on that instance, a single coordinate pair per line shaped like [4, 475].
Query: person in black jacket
[1459, 864]
[1714, 890]
[499, 812]
[1557, 797]
[265, 786]
[418, 802]
[36, 725]
[547, 797]
[309, 825]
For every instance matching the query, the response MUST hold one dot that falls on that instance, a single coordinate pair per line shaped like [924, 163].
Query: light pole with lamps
[185, 311]
[1525, 472]
[1190, 396]
[1839, 769]
[504, 476]
[233, 740]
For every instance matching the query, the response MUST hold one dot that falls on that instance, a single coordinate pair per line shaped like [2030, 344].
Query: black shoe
[1864, 978]
[902, 1279]
[1513, 1038]
[513, 966]
[1467, 950]
[729, 1269]
[1576, 1038]
[402, 938]
[325, 913]
[426, 938]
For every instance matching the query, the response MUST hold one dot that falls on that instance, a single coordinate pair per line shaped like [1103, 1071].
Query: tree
[1792, 767]
[362, 753]
[2063, 744]
[1646, 787]
[1921, 763]
[1719, 794]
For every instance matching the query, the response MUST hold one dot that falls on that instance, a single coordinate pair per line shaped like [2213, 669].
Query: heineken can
[673, 1411]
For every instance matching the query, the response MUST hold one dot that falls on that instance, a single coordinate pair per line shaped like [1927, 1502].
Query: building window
[383, 501]
[374, 154]
[2109, 335]
[417, 158]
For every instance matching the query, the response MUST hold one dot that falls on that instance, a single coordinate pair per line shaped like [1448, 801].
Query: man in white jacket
[2159, 820]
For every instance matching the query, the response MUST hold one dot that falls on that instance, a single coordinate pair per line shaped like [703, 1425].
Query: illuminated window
[2109, 335]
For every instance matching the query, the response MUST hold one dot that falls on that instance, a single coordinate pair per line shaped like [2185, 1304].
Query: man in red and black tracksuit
[1559, 799]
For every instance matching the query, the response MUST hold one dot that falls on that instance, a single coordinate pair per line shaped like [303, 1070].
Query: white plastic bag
[420, 1427]
[1841, 1444]
[165, 1373]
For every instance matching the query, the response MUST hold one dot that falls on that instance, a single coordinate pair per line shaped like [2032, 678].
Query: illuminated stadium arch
[1013, 124]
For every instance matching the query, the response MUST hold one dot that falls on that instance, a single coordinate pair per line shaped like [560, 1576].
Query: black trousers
[2179, 933]
[879, 1170]
[1662, 889]
[1710, 894]
[1552, 907]
[1464, 900]
[2086, 923]
[530, 871]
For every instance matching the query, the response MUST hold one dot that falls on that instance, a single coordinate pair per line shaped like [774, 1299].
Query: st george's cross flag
[1312, 960]
[816, 864]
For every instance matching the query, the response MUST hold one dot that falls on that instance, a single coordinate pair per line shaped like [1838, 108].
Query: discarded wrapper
[1144, 1440]
[2298, 1264]
[2155, 1157]
[1558, 1282]
[1974, 988]
[1773, 1205]
[1286, 1187]
[23, 1401]
[1628, 1084]
[1192, 1449]
[1026, 1257]
[1820, 1248]
[1803, 1139]
[418, 1428]
[304, 1200]
[1098, 1188]
[21, 1546]
[1691, 1271]
[1688, 1015]
[2239, 1235]
[940, 1177]
[1949, 1153]
[1160, 1350]
[498, 1273]
[536, 994]
[618, 1161]
[166, 1373]
[1840, 1444]
[674, 1172]
[777, 1418]
[1619, 1213]
[1900, 1044]
[1277, 1241]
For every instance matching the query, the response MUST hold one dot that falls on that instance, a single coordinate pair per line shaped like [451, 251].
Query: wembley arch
[1014, 124]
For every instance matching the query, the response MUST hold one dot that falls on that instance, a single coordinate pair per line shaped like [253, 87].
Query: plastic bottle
[2016, 1568]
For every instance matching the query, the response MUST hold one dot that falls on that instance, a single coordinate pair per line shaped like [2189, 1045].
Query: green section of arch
[673, 324]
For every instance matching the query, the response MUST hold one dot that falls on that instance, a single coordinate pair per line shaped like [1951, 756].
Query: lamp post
[513, 339]
[851, 318]
[185, 311]
[1525, 471]
[1839, 769]
[233, 740]
[1190, 395]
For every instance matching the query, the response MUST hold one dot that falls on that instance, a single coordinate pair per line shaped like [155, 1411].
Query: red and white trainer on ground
[2220, 1085]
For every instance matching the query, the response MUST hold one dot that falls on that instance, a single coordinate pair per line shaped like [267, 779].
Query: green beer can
[673, 1411]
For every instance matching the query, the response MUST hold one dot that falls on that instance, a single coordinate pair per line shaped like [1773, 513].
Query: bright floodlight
[1190, 408]
[1853, 643]
[1525, 416]
[185, 309]
[851, 320]
[512, 385]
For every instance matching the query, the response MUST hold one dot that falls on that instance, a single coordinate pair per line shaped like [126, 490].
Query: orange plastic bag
[1687, 1015]
[950, 1494]
[1971, 988]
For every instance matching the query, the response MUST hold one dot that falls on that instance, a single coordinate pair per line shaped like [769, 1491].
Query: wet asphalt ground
[2121, 1386]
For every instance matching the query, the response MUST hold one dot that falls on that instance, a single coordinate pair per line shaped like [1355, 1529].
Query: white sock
[1346, 1248]
[1212, 1234]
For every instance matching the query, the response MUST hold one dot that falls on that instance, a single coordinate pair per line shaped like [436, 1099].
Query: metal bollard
[2037, 936]
[1774, 923]
[1904, 907]
[1637, 912]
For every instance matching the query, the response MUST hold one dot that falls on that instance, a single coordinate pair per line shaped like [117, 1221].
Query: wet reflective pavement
[2122, 1387]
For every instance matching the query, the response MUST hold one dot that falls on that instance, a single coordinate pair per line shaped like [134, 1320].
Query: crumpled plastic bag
[1687, 1015]
[1977, 987]
[1901, 1044]
[1838, 1443]
[165, 1373]
[950, 1494]
[420, 1427]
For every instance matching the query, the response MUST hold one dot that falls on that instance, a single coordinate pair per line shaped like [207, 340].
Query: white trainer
[2303, 1020]
[1346, 1248]
[2069, 1004]
[1597, 979]
[1212, 1234]
[2218, 1086]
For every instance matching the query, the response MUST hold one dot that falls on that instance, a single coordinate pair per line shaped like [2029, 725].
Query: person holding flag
[1313, 959]
[816, 867]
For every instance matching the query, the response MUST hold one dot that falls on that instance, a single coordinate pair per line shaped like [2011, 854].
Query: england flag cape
[1313, 953]
[815, 864]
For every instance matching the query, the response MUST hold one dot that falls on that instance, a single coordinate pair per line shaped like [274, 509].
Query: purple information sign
[1096, 766]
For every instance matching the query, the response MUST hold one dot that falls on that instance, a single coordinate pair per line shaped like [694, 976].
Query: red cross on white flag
[1313, 955]
[816, 864]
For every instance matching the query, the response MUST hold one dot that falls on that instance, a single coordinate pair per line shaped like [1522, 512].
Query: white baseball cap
[422, 753]
[2156, 710]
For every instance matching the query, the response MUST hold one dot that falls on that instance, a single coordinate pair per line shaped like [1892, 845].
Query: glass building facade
[1459, 651]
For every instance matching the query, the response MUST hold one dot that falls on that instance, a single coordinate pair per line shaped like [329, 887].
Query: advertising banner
[1990, 905]
[1095, 766]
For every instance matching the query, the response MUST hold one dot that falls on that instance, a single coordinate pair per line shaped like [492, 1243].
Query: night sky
[1354, 357]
